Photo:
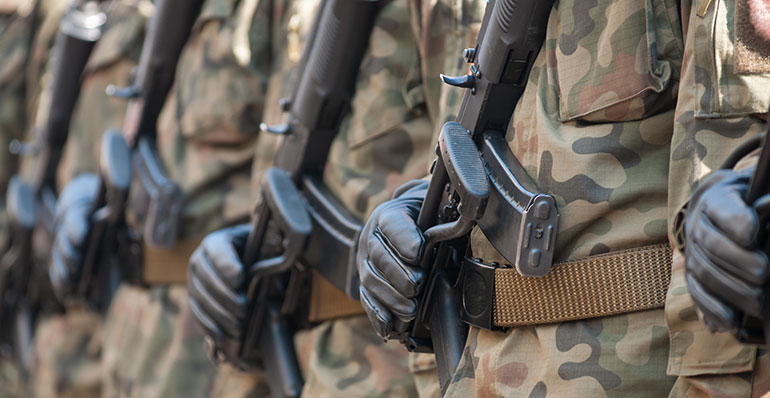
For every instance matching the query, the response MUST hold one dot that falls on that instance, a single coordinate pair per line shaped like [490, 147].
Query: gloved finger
[206, 272]
[720, 283]
[59, 274]
[220, 248]
[84, 187]
[749, 265]
[379, 288]
[718, 316]
[397, 224]
[220, 315]
[380, 317]
[208, 325]
[728, 212]
[75, 226]
[406, 279]
[762, 206]
[412, 188]
[69, 256]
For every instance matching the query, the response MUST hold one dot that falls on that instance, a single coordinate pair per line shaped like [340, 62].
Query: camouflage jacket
[17, 30]
[628, 106]
[111, 62]
[207, 128]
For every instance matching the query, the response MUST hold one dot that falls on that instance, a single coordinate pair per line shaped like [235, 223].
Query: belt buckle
[477, 282]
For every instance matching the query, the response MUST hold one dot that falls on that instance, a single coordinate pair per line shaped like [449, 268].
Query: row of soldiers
[628, 111]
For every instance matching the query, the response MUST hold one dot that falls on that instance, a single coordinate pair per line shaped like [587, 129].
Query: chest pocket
[218, 88]
[615, 60]
[722, 89]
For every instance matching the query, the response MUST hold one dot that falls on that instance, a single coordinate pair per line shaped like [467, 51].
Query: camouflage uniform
[16, 32]
[17, 29]
[205, 139]
[373, 154]
[68, 347]
[604, 99]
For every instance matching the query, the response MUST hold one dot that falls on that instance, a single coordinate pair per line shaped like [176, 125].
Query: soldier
[627, 107]
[68, 346]
[205, 138]
[18, 20]
[724, 266]
[385, 141]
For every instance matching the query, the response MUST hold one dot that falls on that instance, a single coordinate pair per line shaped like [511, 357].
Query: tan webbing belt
[166, 266]
[327, 302]
[608, 284]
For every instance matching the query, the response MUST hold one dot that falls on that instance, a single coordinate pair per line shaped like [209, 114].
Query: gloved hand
[71, 228]
[217, 284]
[725, 269]
[389, 250]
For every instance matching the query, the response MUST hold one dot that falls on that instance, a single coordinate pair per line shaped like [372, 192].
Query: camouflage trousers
[68, 351]
[345, 358]
[620, 356]
[13, 382]
[152, 346]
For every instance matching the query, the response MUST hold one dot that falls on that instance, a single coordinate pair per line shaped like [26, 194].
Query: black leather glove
[71, 228]
[725, 268]
[217, 284]
[389, 251]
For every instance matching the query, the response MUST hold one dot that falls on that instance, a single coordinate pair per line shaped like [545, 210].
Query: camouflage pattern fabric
[290, 24]
[68, 347]
[345, 358]
[604, 98]
[386, 139]
[293, 20]
[207, 128]
[233, 382]
[724, 109]
[112, 59]
[17, 29]
[205, 139]
[373, 154]
[152, 346]
[384, 142]
[68, 352]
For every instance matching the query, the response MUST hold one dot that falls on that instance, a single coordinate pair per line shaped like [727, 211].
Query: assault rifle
[753, 330]
[23, 276]
[477, 180]
[150, 197]
[287, 224]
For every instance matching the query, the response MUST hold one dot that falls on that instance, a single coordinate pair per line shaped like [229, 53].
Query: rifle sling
[327, 302]
[167, 266]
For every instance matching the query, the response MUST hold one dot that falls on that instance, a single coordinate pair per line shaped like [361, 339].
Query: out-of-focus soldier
[627, 107]
[387, 139]
[205, 140]
[68, 346]
[18, 25]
